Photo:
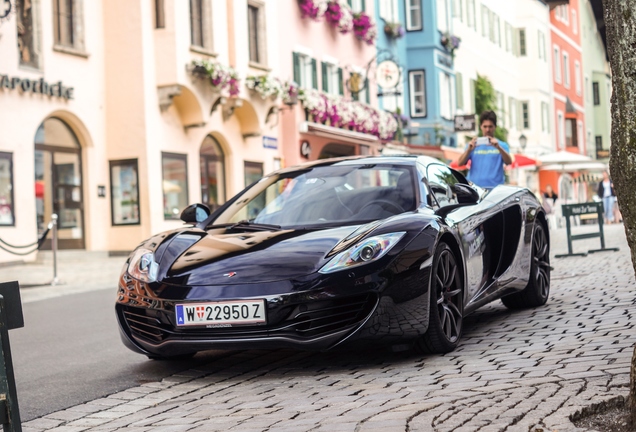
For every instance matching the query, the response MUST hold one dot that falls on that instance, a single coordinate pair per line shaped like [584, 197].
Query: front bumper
[317, 318]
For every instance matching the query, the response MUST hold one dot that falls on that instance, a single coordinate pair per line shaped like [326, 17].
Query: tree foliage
[486, 100]
[620, 21]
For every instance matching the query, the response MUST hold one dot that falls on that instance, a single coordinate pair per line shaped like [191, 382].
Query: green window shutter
[340, 82]
[363, 5]
[296, 61]
[325, 77]
[350, 1]
[368, 92]
[473, 105]
[459, 84]
[314, 74]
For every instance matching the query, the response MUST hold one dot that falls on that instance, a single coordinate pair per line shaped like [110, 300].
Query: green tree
[620, 22]
[486, 100]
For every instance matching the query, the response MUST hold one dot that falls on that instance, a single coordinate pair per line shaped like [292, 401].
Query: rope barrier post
[55, 280]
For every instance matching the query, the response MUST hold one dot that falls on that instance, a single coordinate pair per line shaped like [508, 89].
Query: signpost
[10, 318]
[578, 210]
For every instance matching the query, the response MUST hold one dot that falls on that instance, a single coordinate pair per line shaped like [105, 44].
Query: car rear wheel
[538, 289]
[446, 305]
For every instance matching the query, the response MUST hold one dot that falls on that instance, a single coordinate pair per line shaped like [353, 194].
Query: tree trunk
[620, 21]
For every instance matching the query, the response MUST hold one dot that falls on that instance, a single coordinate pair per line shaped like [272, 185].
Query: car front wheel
[446, 305]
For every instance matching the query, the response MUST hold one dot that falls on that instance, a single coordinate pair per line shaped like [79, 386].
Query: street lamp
[523, 141]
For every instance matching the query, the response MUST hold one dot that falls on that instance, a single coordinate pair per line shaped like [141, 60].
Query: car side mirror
[195, 213]
[466, 194]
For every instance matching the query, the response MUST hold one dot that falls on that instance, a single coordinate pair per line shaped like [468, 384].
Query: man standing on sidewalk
[487, 155]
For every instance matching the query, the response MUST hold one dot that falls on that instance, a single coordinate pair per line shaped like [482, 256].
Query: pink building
[327, 64]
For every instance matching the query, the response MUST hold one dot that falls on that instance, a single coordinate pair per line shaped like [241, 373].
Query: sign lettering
[25, 85]
[465, 123]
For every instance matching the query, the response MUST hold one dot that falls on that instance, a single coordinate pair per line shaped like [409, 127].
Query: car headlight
[364, 252]
[142, 265]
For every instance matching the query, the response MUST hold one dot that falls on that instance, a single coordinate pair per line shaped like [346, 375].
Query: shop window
[256, 32]
[124, 192]
[413, 15]
[200, 25]
[212, 173]
[175, 184]
[7, 214]
[28, 46]
[417, 93]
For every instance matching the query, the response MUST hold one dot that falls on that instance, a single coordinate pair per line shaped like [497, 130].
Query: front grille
[300, 321]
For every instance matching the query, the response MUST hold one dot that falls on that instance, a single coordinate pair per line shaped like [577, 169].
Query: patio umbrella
[521, 161]
[563, 157]
[575, 166]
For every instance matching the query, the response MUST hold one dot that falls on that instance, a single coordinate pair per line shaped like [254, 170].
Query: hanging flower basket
[364, 28]
[346, 114]
[313, 9]
[394, 30]
[266, 86]
[221, 77]
[450, 42]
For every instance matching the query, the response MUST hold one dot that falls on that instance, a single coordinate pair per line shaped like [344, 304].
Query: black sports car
[385, 249]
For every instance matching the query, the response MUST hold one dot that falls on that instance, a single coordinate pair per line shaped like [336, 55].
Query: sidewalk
[77, 271]
[514, 370]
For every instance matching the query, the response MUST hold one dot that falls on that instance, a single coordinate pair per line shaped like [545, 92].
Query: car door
[466, 221]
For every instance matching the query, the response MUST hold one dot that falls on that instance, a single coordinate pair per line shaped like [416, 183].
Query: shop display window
[124, 192]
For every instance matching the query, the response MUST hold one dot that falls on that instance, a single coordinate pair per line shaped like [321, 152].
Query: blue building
[418, 36]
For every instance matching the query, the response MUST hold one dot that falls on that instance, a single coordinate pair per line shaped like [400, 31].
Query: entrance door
[58, 183]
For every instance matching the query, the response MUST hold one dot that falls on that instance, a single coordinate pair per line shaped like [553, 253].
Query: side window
[440, 180]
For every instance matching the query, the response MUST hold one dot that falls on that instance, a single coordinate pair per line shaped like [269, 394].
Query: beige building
[117, 114]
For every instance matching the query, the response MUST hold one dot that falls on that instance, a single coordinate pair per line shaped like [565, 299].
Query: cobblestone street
[523, 370]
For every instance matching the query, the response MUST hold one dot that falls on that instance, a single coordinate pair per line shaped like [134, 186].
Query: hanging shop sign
[305, 149]
[388, 74]
[465, 123]
[40, 86]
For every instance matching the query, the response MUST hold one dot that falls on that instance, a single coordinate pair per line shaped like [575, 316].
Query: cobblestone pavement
[514, 371]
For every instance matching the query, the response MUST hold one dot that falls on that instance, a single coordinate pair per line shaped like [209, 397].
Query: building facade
[116, 124]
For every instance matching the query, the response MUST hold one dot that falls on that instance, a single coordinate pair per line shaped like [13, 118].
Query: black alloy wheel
[537, 291]
[446, 304]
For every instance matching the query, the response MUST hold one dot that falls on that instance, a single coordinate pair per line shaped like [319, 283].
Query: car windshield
[325, 195]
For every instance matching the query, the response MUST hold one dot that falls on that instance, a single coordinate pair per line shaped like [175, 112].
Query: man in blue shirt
[487, 159]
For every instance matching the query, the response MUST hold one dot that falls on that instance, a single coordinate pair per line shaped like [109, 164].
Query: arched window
[212, 173]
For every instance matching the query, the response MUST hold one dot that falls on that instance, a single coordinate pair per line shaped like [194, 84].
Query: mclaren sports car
[360, 250]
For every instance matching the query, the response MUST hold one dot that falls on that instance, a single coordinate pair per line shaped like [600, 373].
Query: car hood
[226, 257]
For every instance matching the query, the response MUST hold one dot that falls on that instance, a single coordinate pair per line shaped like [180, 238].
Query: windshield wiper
[251, 226]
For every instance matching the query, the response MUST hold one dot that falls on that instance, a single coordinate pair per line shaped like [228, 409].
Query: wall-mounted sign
[388, 74]
[465, 123]
[305, 149]
[270, 142]
[40, 86]
[101, 191]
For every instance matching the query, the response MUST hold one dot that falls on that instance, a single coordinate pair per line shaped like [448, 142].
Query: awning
[335, 133]
[563, 157]
[577, 166]
[520, 160]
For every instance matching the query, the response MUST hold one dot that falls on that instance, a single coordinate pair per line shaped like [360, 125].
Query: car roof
[360, 160]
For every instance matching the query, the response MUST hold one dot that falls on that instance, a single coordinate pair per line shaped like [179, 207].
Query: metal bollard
[55, 280]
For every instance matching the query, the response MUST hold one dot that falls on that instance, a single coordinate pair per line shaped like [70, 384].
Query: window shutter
[296, 62]
[367, 93]
[314, 74]
[340, 82]
[473, 105]
[459, 85]
[325, 77]
[363, 6]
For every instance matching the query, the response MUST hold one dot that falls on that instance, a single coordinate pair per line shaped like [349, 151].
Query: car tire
[446, 306]
[537, 291]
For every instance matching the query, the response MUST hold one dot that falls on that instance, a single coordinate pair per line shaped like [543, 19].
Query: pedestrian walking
[487, 154]
[605, 192]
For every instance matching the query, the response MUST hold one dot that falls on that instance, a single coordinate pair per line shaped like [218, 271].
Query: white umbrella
[563, 157]
[574, 166]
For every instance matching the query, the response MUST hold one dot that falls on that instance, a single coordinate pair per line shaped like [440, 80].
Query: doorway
[58, 183]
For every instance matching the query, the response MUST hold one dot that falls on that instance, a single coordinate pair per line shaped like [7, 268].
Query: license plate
[221, 313]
